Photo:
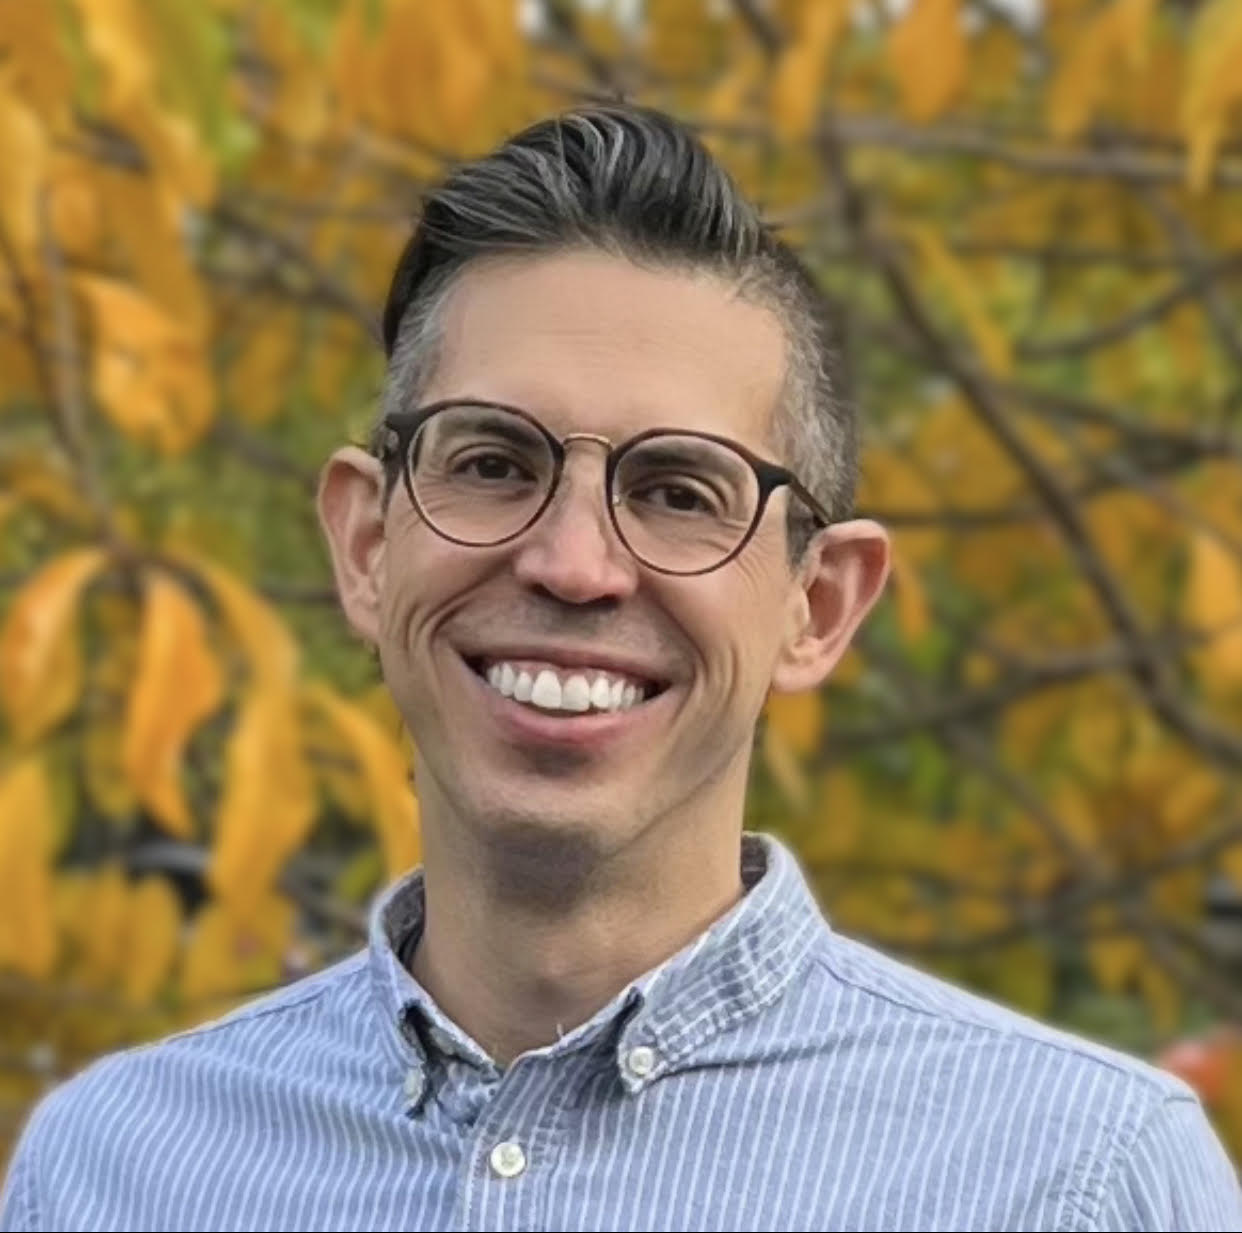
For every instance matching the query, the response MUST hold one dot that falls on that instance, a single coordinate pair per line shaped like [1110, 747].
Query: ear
[843, 574]
[350, 504]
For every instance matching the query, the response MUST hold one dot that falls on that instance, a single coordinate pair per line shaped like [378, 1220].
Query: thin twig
[1150, 673]
[1192, 286]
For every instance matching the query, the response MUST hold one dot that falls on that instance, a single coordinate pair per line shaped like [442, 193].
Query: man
[600, 1005]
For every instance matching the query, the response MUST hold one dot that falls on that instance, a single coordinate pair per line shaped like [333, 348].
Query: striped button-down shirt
[773, 1075]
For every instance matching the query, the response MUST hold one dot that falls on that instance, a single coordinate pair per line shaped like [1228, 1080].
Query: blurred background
[1025, 775]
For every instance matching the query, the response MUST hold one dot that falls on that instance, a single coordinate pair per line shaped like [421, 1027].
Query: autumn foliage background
[1025, 775]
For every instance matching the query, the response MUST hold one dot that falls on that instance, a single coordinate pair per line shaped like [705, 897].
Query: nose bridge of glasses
[587, 436]
[604, 442]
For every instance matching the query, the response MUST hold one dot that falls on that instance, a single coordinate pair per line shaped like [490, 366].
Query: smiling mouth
[552, 689]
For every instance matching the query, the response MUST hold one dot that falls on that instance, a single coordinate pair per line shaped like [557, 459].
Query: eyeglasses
[683, 502]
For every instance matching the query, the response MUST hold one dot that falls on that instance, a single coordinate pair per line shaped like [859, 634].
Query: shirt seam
[1152, 1084]
[680, 1046]
[1121, 1151]
[248, 1014]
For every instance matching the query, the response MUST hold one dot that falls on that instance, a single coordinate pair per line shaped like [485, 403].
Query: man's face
[587, 343]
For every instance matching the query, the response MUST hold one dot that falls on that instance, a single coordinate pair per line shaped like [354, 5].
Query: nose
[573, 551]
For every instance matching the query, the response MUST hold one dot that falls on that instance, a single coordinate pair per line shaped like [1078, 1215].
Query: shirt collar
[741, 963]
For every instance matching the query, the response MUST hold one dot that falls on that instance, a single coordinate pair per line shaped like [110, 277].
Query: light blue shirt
[773, 1075]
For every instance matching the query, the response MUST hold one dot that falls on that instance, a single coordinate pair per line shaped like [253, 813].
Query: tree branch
[1195, 284]
[319, 281]
[1148, 672]
[1026, 678]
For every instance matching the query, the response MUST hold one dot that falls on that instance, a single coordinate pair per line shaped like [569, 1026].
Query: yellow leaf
[798, 717]
[385, 771]
[1115, 40]
[178, 685]
[268, 802]
[797, 84]
[676, 35]
[299, 106]
[227, 956]
[33, 52]
[42, 481]
[1231, 863]
[150, 373]
[259, 379]
[942, 266]
[784, 767]
[1132, 21]
[1163, 997]
[269, 647]
[1115, 959]
[40, 660]
[838, 825]
[1213, 605]
[465, 74]
[350, 64]
[27, 829]
[102, 941]
[927, 51]
[726, 98]
[74, 208]
[153, 936]
[115, 39]
[1213, 84]
[182, 169]
[148, 221]
[24, 157]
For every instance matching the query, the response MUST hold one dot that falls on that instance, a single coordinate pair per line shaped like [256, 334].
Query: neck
[516, 971]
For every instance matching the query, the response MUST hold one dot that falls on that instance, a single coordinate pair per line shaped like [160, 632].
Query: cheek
[739, 617]
[420, 580]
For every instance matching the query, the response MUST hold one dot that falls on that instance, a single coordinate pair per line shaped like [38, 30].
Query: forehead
[593, 343]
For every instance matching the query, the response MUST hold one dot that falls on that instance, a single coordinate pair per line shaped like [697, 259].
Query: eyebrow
[503, 426]
[672, 455]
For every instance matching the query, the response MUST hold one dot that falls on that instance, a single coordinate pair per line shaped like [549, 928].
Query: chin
[545, 857]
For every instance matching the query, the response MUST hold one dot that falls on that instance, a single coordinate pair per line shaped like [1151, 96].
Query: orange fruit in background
[1205, 1062]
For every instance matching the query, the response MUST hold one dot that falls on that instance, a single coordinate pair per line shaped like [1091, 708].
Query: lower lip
[591, 730]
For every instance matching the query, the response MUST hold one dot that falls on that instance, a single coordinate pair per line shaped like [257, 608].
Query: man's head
[633, 183]
[596, 278]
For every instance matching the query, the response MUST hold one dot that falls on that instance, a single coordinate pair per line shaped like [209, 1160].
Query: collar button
[640, 1061]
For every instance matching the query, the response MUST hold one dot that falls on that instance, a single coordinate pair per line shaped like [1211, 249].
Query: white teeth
[547, 691]
[576, 694]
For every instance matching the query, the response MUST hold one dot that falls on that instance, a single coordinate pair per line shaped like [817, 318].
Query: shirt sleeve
[18, 1211]
[1175, 1176]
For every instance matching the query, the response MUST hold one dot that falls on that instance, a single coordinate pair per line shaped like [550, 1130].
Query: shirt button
[640, 1061]
[508, 1159]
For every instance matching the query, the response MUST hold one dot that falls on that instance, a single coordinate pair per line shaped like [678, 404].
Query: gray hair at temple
[635, 183]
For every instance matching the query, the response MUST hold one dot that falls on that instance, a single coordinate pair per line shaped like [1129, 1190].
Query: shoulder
[1129, 1142]
[210, 1066]
[926, 1006]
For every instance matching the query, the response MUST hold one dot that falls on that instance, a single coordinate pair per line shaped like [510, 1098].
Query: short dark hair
[634, 182]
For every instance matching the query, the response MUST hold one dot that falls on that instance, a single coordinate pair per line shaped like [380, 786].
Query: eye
[493, 467]
[680, 497]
